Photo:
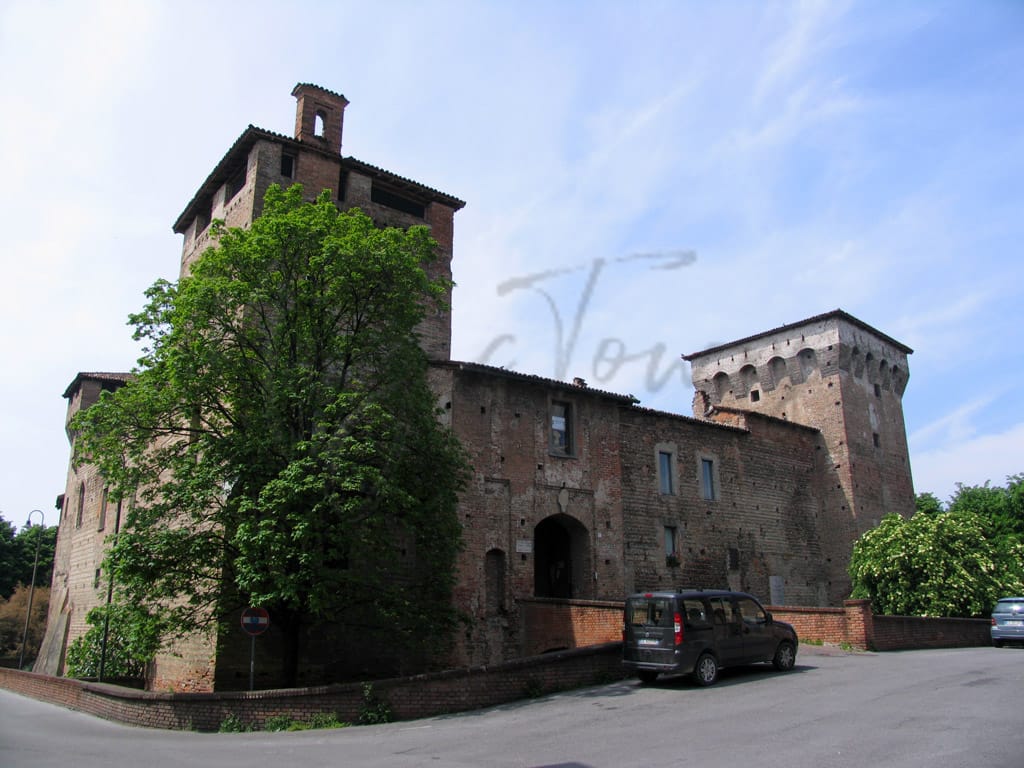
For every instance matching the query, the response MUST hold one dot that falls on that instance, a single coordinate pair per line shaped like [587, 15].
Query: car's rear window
[649, 612]
[1009, 606]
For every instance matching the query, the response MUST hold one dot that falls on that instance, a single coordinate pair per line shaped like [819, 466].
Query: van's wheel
[647, 676]
[997, 643]
[706, 671]
[785, 657]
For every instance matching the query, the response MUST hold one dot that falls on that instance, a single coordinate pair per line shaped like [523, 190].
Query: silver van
[697, 632]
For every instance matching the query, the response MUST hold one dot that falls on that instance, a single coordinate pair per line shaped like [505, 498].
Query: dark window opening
[288, 166]
[707, 469]
[734, 559]
[670, 542]
[878, 390]
[876, 440]
[397, 202]
[755, 395]
[81, 505]
[236, 183]
[665, 484]
[342, 183]
[103, 511]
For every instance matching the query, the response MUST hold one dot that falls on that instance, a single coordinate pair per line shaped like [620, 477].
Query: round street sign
[255, 621]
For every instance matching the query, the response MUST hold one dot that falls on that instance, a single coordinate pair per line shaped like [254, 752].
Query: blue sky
[670, 175]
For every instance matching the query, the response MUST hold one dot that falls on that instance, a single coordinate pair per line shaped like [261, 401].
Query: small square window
[707, 476]
[755, 395]
[665, 484]
[561, 428]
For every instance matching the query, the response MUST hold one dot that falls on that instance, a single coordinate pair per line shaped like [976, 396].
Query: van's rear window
[650, 612]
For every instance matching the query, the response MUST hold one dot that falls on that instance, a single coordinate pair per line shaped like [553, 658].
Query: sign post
[255, 621]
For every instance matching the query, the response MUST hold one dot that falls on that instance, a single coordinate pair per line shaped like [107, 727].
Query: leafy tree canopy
[279, 439]
[18, 552]
[946, 564]
[1003, 506]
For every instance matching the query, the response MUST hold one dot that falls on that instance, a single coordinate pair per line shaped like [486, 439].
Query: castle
[796, 446]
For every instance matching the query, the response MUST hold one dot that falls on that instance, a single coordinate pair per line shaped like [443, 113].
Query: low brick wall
[549, 623]
[900, 633]
[412, 697]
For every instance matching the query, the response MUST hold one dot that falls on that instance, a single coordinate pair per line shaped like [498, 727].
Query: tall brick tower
[839, 375]
[234, 190]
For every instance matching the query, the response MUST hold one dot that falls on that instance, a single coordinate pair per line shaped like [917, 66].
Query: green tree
[928, 503]
[121, 638]
[945, 564]
[17, 555]
[282, 401]
[1003, 506]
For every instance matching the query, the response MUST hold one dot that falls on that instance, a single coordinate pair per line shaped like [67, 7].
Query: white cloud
[991, 457]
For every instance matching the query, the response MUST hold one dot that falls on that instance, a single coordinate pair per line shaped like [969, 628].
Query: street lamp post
[32, 586]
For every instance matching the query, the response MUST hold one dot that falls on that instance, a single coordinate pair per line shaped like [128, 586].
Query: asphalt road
[940, 709]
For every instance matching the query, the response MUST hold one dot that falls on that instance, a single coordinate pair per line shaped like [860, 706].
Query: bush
[233, 724]
[373, 711]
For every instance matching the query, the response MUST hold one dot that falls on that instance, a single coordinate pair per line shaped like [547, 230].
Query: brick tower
[839, 375]
[235, 189]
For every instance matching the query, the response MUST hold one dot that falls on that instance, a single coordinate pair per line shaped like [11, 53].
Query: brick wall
[557, 624]
[764, 521]
[412, 697]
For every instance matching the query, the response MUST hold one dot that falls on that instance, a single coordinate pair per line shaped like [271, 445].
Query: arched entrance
[561, 557]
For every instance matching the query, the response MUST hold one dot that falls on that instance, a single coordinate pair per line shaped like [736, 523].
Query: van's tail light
[993, 621]
[677, 628]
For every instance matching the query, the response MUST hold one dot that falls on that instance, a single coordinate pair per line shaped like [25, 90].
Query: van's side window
[751, 612]
[695, 612]
[721, 610]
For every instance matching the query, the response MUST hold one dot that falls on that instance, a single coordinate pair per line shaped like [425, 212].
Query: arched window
[857, 363]
[494, 582]
[808, 362]
[721, 385]
[318, 124]
[777, 369]
[748, 375]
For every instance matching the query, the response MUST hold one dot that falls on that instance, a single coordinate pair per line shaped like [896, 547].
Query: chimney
[319, 116]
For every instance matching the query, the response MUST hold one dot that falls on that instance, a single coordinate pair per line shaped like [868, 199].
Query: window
[876, 440]
[561, 428]
[665, 484]
[81, 505]
[103, 511]
[707, 479]
[751, 612]
[670, 542]
[288, 166]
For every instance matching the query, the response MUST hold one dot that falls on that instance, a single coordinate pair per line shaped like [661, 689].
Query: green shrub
[233, 724]
[373, 711]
